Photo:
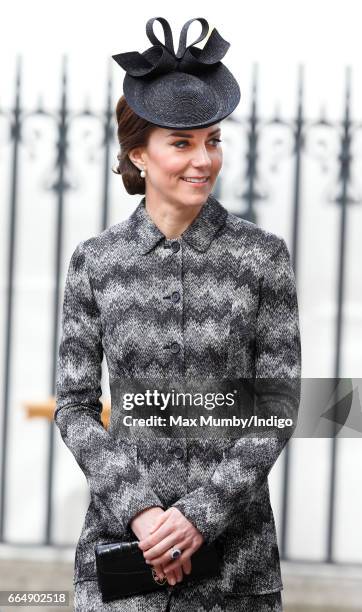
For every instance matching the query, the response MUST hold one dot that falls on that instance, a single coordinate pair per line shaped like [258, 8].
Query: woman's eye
[181, 142]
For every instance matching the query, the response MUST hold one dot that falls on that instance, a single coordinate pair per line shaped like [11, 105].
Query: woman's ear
[137, 158]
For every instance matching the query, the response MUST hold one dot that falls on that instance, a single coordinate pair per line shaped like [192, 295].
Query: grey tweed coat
[220, 300]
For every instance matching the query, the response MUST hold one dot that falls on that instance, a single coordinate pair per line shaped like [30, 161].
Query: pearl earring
[142, 173]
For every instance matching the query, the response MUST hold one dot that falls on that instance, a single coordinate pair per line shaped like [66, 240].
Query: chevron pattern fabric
[200, 597]
[219, 301]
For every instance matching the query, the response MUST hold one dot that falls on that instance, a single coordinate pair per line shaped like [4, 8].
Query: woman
[186, 289]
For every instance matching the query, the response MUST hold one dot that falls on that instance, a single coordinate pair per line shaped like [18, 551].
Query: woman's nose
[202, 158]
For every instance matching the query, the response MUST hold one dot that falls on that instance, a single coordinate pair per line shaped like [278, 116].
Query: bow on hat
[161, 57]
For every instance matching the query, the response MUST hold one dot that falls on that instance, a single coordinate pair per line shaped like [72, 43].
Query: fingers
[174, 576]
[186, 566]
[159, 571]
[167, 523]
[187, 546]
[160, 553]
[171, 576]
[179, 574]
[155, 538]
[171, 529]
[173, 565]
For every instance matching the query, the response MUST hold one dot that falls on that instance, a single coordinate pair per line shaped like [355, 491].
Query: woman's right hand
[141, 526]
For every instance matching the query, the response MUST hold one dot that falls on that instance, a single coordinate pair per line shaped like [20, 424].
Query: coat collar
[199, 234]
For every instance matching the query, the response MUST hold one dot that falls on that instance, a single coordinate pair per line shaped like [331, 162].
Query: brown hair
[133, 131]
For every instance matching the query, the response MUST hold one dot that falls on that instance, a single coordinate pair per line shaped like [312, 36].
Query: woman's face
[172, 156]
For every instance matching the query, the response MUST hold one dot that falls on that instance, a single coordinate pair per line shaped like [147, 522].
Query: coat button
[175, 246]
[178, 452]
[175, 347]
[175, 297]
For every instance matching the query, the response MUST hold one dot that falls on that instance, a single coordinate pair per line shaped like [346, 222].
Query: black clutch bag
[122, 570]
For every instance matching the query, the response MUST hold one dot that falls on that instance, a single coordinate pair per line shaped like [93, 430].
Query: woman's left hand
[170, 529]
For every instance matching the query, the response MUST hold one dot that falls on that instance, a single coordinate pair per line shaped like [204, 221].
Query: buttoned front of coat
[220, 301]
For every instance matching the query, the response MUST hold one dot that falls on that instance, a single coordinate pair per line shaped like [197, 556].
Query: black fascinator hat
[187, 89]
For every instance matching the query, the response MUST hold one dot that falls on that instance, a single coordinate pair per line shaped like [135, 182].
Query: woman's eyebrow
[185, 135]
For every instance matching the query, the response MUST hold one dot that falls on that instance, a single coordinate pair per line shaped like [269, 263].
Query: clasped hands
[158, 531]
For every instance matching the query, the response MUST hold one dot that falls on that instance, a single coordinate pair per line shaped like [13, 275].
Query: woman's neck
[171, 218]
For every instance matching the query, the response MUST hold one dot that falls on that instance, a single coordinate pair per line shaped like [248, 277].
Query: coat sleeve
[247, 463]
[111, 473]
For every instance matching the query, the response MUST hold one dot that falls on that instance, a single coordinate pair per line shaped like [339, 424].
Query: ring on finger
[175, 553]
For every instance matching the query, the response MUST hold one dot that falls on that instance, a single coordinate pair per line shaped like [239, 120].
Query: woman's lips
[197, 183]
